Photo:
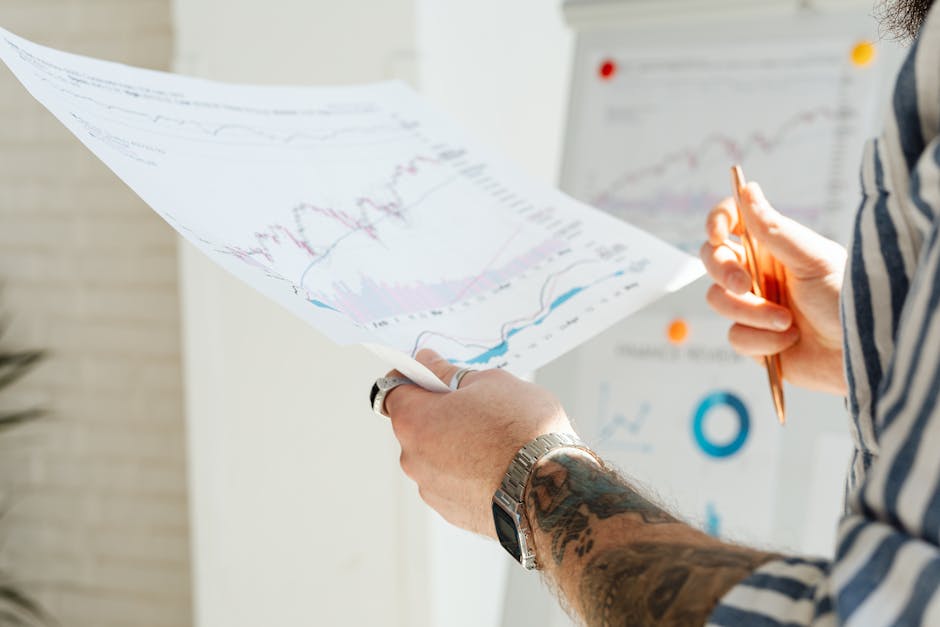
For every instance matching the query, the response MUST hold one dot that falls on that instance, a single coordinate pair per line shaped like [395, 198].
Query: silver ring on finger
[455, 380]
[380, 390]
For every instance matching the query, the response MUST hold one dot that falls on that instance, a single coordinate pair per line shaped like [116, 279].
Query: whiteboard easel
[799, 490]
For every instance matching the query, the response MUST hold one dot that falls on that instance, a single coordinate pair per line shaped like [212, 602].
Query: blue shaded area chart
[503, 347]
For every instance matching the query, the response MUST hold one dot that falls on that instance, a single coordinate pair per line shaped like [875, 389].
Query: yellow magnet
[863, 53]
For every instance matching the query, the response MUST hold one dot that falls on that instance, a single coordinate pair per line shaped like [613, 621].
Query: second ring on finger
[457, 378]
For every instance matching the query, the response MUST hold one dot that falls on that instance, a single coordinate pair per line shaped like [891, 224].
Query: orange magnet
[677, 331]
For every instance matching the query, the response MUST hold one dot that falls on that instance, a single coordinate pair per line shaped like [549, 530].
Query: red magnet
[607, 69]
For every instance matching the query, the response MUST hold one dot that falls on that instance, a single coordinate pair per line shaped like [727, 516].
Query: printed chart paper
[361, 210]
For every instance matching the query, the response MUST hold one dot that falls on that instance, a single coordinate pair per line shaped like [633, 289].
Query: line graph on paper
[361, 210]
[520, 273]
[554, 267]
[331, 122]
[663, 133]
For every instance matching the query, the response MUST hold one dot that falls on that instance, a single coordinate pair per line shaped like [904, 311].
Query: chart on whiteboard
[658, 133]
[361, 209]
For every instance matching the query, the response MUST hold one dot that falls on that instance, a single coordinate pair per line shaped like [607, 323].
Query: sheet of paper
[360, 209]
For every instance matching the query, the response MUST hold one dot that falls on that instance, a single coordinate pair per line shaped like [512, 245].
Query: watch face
[507, 531]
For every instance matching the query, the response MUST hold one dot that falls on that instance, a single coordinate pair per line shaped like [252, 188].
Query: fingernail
[739, 281]
[427, 354]
[782, 321]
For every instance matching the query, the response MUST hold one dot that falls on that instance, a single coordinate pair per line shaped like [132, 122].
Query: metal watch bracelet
[512, 489]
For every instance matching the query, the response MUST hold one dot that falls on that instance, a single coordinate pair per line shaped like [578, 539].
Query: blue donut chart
[721, 450]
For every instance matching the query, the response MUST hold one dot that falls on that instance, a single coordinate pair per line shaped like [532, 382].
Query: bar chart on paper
[361, 210]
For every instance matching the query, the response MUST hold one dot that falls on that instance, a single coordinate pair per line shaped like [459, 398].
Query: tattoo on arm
[569, 489]
[632, 580]
[656, 584]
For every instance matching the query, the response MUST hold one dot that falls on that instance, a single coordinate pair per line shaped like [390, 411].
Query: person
[615, 556]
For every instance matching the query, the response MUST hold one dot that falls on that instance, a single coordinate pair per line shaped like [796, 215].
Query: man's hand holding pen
[807, 333]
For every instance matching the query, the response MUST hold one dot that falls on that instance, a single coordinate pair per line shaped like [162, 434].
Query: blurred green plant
[17, 609]
[13, 367]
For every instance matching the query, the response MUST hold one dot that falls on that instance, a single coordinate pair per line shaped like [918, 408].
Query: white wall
[501, 70]
[98, 526]
[299, 511]
[292, 525]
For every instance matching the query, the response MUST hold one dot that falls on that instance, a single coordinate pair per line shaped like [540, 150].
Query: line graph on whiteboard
[619, 430]
[693, 167]
[661, 160]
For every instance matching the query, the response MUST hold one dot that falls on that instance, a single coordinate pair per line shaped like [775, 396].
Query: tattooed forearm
[663, 585]
[632, 562]
[568, 490]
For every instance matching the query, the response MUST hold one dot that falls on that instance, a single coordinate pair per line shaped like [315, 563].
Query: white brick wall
[98, 526]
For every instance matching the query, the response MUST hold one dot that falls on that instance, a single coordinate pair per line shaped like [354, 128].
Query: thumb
[799, 248]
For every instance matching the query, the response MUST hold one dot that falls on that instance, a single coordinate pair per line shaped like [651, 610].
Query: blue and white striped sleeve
[886, 569]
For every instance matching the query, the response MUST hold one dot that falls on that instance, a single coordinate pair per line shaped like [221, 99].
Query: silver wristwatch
[512, 525]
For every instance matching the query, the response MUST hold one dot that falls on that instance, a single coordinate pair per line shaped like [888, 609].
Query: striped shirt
[886, 569]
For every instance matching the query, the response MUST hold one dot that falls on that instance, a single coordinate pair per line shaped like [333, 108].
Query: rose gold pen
[768, 283]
